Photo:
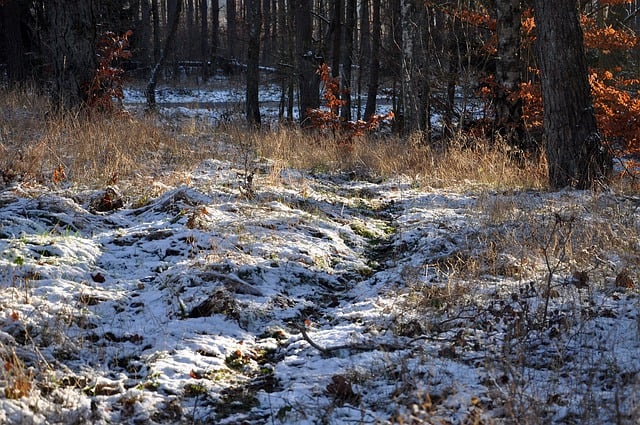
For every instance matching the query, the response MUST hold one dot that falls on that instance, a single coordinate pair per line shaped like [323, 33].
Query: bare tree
[232, 31]
[253, 61]
[175, 7]
[374, 63]
[347, 56]
[307, 61]
[575, 153]
[508, 108]
[204, 38]
[11, 15]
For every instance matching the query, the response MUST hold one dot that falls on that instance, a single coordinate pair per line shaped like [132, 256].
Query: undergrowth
[38, 144]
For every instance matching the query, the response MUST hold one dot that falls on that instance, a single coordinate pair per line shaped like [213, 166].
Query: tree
[232, 32]
[204, 42]
[175, 7]
[253, 61]
[307, 61]
[374, 63]
[508, 106]
[72, 41]
[575, 154]
[11, 16]
[415, 82]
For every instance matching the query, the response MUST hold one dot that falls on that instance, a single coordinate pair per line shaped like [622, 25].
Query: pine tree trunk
[176, 8]
[72, 41]
[347, 57]
[232, 32]
[307, 61]
[508, 120]
[253, 62]
[575, 153]
[374, 63]
[11, 14]
[204, 39]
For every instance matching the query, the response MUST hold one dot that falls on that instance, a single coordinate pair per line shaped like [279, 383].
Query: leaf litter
[343, 301]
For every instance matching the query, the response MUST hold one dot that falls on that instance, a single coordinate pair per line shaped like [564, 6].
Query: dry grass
[35, 141]
[38, 144]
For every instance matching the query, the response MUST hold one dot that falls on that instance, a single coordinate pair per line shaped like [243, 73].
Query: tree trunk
[145, 33]
[215, 29]
[232, 32]
[204, 39]
[374, 63]
[72, 42]
[307, 62]
[575, 153]
[415, 93]
[253, 62]
[156, 31]
[364, 55]
[508, 120]
[11, 14]
[174, 20]
[347, 59]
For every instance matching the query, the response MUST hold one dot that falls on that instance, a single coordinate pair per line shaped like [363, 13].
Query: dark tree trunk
[215, 28]
[72, 42]
[145, 33]
[268, 29]
[364, 55]
[575, 153]
[307, 62]
[156, 31]
[415, 93]
[174, 20]
[11, 14]
[347, 59]
[374, 63]
[508, 120]
[253, 61]
[204, 39]
[232, 32]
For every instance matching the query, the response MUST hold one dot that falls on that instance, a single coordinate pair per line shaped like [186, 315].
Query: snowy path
[314, 300]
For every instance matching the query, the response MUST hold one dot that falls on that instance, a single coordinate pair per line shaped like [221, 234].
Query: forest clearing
[347, 212]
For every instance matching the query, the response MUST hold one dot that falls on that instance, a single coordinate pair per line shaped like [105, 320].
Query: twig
[329, 350]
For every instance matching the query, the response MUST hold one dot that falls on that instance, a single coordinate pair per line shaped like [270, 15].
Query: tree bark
[347, 57]
[145, 33]
[307, 62]
[575, 152]
[232, 32]
[415, 89]
[253, 62]
[215, 28]
[508, 119]
[174, 20]
[11, 15]
[72, 42]
[374, 63]
[204, 39]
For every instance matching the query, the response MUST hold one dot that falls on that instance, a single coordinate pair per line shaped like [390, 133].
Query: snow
[213, 305]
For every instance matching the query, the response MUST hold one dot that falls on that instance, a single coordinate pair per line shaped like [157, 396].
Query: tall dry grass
[35, 141]
[90, 150]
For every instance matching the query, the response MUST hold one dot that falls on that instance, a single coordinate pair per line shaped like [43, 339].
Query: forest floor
[290, 296]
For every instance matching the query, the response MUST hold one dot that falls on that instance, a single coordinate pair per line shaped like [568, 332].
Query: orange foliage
[616, 99]
[328, 119]
[617, 109]
[606, 38]
[107, 80]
